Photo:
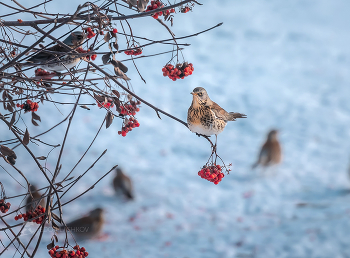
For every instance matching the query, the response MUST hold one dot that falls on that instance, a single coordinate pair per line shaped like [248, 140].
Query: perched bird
[270, 153]
[33, 202]
[123, 183]
[88, 226]
[205, 116]
[52, 61]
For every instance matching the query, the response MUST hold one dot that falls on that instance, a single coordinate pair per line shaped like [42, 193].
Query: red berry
[115, 31]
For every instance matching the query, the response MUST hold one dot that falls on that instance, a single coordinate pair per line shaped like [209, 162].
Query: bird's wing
[127, 187]
[45, 56]
[219, 111]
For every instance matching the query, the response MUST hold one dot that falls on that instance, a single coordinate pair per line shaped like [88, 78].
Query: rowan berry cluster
[32, 214]
[108, 104]
[134, 52]
[179, 72]
[29, 106]
[186, 9]
[129, 124]
[130, 109]
[78, 253]
[90, 33]
[155, 5]
[81, 50]
[4, 206]
[42, 72]
[212, 173]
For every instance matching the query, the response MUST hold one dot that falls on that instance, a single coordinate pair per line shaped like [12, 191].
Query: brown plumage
[33, 202]
[270, 153]
[122, 183]
[205, 116]
[88, 226]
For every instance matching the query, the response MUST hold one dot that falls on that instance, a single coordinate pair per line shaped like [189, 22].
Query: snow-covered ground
[283, 63]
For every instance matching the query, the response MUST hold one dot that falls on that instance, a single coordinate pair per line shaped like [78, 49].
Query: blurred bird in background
[122, 183]
[270, 153]
[88, 226]
[52, 61]
[35, 199]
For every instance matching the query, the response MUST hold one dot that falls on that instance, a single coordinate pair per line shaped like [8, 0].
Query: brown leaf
[55, 217]
[132, 2]
[141, 5]
[26, 137]
[56, 238]
[99, 98]
[41, 158]
[109, 119]
[13, 156]
[4, 95]
[4, 105]
[115, 45]
[6, 151]
[85, 107]
[54, 225]
[105, 59]
[35, 116]
[11, 160]
[51, 245]
[107, 37]
[119, 73]
[115, 92]
[34, 123]
[9, 107]
[13, 119]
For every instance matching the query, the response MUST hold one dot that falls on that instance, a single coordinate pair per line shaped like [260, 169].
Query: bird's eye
[200, 94]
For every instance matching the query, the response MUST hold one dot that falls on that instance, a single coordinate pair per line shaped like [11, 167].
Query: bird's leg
[216, 140]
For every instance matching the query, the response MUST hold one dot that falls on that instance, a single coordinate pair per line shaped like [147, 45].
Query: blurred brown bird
[33, 202]
[88, 226]
[270, 153]
[122, 183]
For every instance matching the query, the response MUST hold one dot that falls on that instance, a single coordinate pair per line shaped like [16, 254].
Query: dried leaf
[51, 245]
[34, 123]
[116, 46]
[119, 65]
[132, 2]
[35, 116]
[42, 99]
[6, 151]
[41, 158]
[115, 92]
[85, 107]
[13, 119]
[9, 107]
[55, 217]
[11, 160]
[141, 5]
[4, 104]
[54, 225]
[107, 37]
[4, 95]
[70, 178]
[109, 119]
[56, 238]
[105, 59]
[119, 73]
[99, 98]
[13, 156]
[26, 137]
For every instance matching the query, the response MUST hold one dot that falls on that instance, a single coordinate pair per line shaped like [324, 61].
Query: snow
[283, 63]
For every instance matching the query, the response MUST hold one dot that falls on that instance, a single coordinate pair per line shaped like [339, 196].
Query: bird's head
[272, 135]
[200, 96]
[119, 171]
[33, 188]
[75, 39]
[96, 213]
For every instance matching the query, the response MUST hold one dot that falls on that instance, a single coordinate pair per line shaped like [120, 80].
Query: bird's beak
[193, 93]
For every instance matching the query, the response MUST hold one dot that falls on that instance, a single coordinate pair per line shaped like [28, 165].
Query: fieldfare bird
[54, 62]
[35, 199]
[88, 226]
[270, 153]
[205, 116]
[122, 183]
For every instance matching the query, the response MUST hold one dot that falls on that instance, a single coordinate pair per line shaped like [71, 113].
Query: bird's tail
[232, 116]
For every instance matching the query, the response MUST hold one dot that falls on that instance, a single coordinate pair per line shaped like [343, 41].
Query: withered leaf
[115, 92]
[54, 225]
[119, 65]
[116, 46]
[132, 2]
[4, 104]
[85, 107]
[6, 151]
[42, 99]
[34, 123]
[70, 178]
[26, 137]
[13, 156]
[11, 160]
[105, 59]
[4, 95]
[119, 73]
[99, 98]
[141, 5]
[9, 107]
[41, 158]
[51, 245]
[56, 238]
[55, 217]
[13, 119]
[35, 116]
[109, 119]
[107, 37]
